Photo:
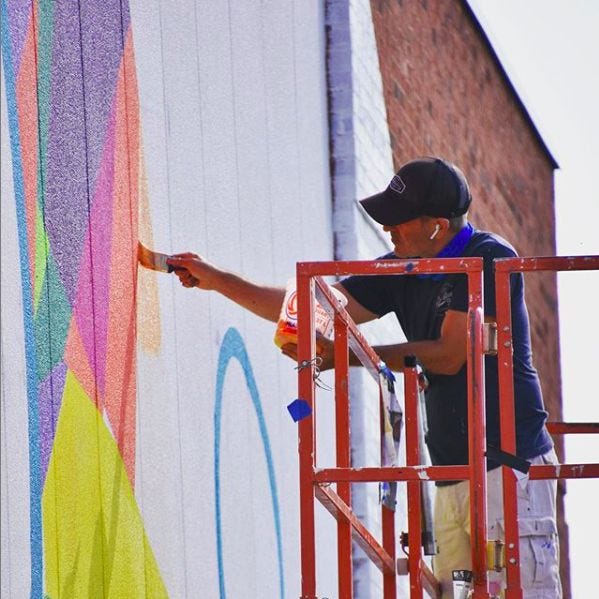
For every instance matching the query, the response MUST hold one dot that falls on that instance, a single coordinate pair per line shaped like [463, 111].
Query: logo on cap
[397, 184]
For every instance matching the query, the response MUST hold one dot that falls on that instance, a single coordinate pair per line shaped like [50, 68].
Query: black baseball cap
[422, 187]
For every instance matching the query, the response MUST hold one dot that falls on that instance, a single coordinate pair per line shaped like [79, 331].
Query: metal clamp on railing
[490, 338]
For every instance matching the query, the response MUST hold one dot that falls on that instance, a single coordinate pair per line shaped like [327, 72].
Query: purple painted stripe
[50, 399]
[87, 51]
[66, 202]
[19, 17]
[103, 29]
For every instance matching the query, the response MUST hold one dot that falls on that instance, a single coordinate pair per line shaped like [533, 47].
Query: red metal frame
[503, 269]
[315, 483]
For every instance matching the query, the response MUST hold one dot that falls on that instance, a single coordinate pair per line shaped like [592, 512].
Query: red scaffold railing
[315, 483]
[503, 269]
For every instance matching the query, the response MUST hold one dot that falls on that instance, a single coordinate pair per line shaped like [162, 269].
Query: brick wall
[446, 95]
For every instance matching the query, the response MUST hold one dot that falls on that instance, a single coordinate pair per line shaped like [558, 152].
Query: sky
[550, 50]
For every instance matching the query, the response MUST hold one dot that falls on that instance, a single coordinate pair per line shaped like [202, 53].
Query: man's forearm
[433, 355]
[195, 271]
[262, 300]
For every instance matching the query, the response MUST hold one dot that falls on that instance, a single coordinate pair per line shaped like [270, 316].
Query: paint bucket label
[286, 331]
[462, 584]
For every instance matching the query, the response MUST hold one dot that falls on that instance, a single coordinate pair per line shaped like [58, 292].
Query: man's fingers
[289, 350]
[178, 262]
[185, 277]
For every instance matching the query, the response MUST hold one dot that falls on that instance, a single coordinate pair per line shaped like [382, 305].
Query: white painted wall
[14, 455]
[234, 115]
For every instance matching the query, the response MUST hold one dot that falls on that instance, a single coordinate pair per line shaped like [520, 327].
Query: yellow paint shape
[149, 337]
[94, 540]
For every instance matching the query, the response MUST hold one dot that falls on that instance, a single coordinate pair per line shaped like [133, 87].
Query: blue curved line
[35, 481]
[233, 347]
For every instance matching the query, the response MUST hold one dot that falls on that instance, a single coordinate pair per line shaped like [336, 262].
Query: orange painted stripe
[120, 394]
[26, 92]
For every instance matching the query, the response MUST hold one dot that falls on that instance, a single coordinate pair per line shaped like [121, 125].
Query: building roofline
[477, 25]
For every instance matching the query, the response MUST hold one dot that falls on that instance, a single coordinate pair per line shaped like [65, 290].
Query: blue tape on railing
[299, 409]
[386, 372]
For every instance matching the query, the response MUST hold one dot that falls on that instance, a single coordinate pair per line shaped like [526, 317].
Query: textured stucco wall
[171, 465]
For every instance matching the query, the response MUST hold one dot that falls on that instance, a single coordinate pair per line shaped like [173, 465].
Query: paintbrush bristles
[152, 260]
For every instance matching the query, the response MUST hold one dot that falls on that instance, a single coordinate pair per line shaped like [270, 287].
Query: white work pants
[539, 546]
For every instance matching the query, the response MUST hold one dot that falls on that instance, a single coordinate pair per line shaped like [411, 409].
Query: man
[424, 209]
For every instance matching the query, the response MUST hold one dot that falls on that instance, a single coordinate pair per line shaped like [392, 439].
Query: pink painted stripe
[92, 299]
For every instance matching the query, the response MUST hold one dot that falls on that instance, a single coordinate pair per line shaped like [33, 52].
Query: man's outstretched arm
[263, 300]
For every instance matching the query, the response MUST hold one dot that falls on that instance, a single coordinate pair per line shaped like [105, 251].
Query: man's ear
[435, 232]
[445, 224]
[440, 226]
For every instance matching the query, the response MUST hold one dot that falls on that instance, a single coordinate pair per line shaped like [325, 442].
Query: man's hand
[325, 350]
[193, 270]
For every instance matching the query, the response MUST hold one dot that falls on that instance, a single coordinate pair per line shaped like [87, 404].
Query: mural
[81, 201]
[74, 132]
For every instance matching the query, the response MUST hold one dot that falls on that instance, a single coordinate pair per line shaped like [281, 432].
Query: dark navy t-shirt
[420, 304]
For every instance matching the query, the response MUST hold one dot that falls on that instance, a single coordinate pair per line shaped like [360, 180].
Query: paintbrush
[153, 260]
[157, 261]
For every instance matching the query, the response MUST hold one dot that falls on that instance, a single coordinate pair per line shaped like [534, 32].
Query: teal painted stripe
[35, 484]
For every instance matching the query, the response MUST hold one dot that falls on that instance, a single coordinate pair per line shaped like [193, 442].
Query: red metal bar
[413, 490]
[390, 267]
[477, 435]
[339, 510]
[573, 428]
[338, 504]
[552, 263]
[507, 420]
[306, 442]
[429, 583]
[503, 268]
[392, 473]
[344, 543]
[564, 471]
[387, 517]
[388, 533]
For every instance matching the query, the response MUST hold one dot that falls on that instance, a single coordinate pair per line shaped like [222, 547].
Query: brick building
[447, 94]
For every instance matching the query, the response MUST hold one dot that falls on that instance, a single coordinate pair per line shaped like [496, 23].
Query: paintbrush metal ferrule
[153, 260]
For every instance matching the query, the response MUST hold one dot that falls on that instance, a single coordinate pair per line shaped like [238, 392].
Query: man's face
[411, 239]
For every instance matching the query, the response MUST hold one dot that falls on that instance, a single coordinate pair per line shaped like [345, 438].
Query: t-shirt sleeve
[374, 292]
[459, 300]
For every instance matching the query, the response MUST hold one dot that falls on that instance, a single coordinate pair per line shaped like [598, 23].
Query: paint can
[462, 584]
[286, 331]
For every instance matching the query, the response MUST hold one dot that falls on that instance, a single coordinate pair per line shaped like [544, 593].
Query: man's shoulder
[489, 245]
